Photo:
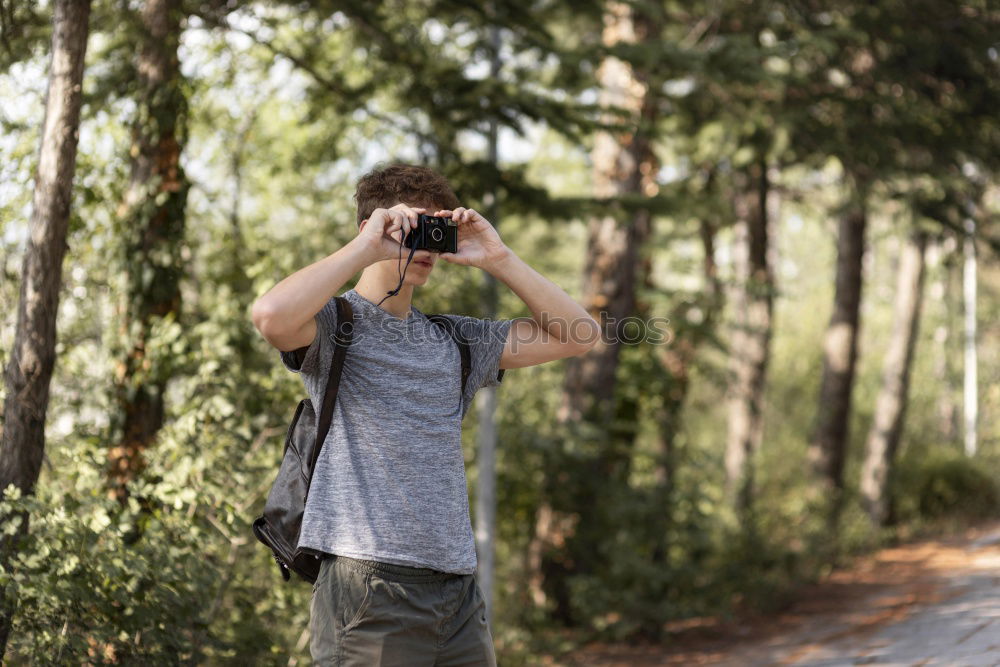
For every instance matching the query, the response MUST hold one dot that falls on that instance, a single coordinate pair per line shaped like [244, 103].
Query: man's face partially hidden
[423, 261]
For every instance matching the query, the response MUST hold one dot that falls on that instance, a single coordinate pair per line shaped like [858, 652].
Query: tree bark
[828, 444]
[29, 371]
[153, 211]
[750, 344]
[890, 407]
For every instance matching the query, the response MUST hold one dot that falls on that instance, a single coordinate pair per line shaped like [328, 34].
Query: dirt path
[935, 602]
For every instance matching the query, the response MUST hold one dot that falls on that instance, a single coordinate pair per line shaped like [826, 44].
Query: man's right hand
[382, 232]
[285, 315]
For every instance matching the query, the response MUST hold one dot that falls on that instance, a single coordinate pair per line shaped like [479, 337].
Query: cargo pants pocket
[340, 598]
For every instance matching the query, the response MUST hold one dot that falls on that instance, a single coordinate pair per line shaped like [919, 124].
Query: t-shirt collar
[374, 311]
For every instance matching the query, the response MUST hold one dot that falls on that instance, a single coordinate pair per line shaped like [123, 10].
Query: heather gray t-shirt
[389, 484]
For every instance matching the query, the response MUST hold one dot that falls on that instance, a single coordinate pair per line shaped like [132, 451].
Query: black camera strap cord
[402, 271]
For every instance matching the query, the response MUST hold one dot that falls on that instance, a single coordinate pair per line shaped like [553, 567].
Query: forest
[784, 214]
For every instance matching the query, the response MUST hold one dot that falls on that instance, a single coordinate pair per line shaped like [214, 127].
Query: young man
[388, 502]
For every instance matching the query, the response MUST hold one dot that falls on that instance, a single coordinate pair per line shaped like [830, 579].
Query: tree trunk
[749, 348]
[154, 226]
[486, 435]
[29, 371]
[624, 164]
[828, 444]
[890, 407]
[944, 290]
[971, 390]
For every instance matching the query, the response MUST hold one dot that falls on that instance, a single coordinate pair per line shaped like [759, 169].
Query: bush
[85, 594]
[946, 486]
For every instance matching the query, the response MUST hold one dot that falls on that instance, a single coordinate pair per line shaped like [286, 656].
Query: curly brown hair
[386, 186]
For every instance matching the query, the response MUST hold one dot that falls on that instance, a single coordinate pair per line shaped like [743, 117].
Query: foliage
[84, 589]
[945, 485]
[273, 152]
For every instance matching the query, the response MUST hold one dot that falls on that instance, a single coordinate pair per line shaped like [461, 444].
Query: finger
[413, 217]
[401, 220]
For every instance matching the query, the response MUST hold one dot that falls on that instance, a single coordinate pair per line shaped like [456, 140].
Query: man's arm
[559, 327]
[285, 315]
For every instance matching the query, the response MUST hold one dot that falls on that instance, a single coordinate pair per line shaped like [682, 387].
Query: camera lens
[437, 234]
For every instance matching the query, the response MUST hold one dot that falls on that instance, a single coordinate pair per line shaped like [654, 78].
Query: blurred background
[805, 193]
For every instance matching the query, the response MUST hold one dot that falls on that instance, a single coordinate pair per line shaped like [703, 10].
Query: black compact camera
[434, 234]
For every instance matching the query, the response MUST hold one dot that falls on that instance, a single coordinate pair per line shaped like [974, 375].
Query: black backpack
[279, 526]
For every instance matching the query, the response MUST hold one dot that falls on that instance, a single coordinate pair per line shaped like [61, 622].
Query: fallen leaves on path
[875, 591]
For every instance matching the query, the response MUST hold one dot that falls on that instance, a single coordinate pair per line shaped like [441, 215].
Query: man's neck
[373, 284]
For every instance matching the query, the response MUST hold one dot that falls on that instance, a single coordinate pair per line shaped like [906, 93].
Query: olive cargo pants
[364, 613]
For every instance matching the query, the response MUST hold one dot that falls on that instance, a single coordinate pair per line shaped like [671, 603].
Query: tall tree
[624, 167]
[851, 100]
[733, 118]
[890, 407]
[971, 388]
[944, 290]
[153, 224]
[624, 164]
[29, 371]
[828, 442]
[750, 343]
[901, 72]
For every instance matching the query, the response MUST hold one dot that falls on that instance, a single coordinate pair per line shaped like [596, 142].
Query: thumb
[453, 258]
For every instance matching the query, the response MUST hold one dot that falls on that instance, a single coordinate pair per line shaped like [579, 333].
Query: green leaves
[288, 107]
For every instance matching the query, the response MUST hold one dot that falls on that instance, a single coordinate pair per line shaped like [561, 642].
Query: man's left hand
[478, 242]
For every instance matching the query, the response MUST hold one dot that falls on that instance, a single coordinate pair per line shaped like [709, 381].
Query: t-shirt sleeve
[486, 339]
[306, 360]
